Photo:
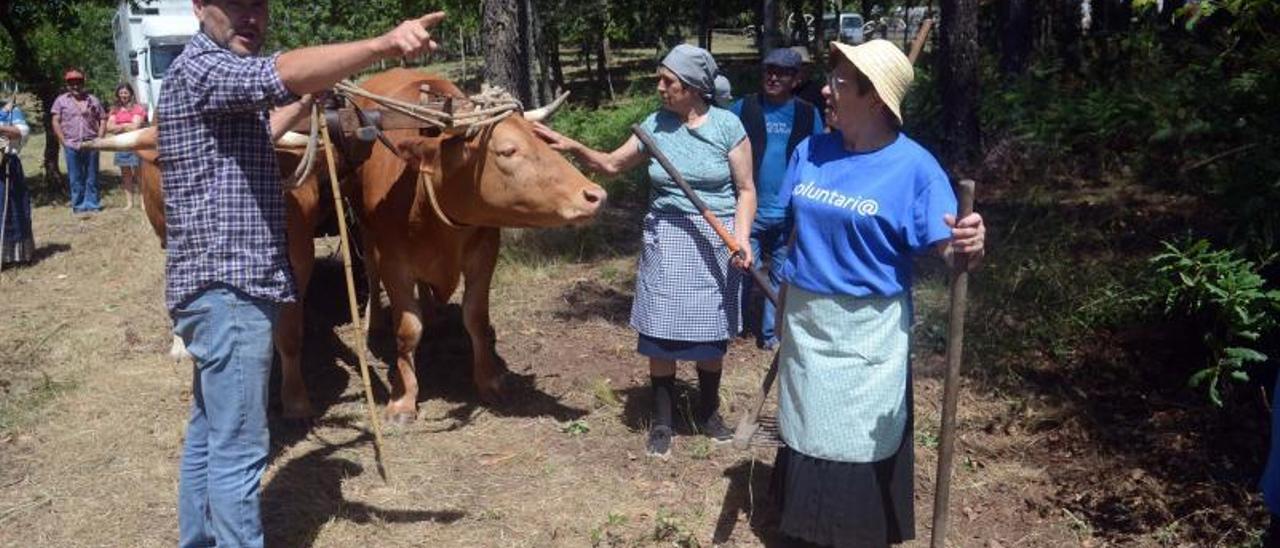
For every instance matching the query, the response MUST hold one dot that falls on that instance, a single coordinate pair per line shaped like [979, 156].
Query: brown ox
[304, 211]
[501, 177]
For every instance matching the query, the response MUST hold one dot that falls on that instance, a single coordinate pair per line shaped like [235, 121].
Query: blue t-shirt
[859, 217]
[778, 120]
[700, 154]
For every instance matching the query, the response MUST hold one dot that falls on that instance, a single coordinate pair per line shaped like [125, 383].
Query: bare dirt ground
[92, 414]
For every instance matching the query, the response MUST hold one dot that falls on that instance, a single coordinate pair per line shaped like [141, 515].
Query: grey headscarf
[724, 91]
[694, 67]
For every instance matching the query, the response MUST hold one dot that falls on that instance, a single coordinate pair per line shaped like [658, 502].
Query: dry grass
[93, 413]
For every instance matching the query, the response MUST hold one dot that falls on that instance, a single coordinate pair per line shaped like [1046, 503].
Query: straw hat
[885, 65]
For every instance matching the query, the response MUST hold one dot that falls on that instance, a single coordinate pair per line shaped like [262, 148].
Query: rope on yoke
[492, 105]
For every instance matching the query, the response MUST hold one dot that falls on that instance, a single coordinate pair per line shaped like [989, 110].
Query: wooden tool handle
[922, 36]
[711, 218]
[951, 387]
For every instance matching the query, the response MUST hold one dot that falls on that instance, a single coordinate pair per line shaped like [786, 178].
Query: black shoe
[715, 429]
[659, 444]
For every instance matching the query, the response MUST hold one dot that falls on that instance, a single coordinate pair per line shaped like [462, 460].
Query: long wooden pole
[951, 388]
[351, 296]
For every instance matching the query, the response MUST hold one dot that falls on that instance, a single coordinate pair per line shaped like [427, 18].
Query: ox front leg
[377, 318]
[294, 401]
[478, 276]
[403, 407]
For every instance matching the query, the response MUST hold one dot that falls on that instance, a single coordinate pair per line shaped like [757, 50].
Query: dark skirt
[847, 504]
[667, 349]
[19, 243]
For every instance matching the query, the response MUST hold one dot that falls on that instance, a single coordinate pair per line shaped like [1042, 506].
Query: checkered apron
[685, 288]
[842, 388]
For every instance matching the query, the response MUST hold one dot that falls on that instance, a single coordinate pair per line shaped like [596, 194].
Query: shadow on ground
[306, 493]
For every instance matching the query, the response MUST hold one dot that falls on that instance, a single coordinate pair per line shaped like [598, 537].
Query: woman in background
[19, 242]
[126, 115]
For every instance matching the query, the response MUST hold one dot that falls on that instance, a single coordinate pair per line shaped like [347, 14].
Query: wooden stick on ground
[351, 296]
[951, 388]
[922, 36]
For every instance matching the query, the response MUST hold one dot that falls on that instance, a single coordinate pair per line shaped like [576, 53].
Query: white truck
[148, 36]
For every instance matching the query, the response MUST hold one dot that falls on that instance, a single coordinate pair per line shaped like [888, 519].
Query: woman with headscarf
[864, 199]
[684, 306]
[18, 241]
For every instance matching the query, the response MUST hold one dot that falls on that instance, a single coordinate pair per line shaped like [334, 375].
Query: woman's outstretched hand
[552, 137]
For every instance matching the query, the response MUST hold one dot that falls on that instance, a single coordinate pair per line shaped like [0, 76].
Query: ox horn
[541, 114]
[138, 139]
[292, 139]
[145, 139]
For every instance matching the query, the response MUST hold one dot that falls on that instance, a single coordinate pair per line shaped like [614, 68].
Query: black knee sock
[663, 395]
[708, 393]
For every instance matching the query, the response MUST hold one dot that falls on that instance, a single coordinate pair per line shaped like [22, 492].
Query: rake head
[763, 432]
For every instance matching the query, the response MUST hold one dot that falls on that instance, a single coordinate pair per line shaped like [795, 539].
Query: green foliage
[63, 34]
[576, 427]
[1186, 111]
[606, 128]
[1225, 294]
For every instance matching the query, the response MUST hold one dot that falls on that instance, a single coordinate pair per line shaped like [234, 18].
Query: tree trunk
[602, 49]
[1066, 32]
[958, 76]
[704, 24]
[553, 56]
[819, 42]
[908, 32]
[1015, 36]
[770, 26]
[602, 65]
[506, 48]
[537, 72]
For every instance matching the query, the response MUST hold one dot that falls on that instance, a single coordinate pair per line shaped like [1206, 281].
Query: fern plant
[1225, 294]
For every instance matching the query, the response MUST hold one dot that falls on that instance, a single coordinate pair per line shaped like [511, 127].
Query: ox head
[504, 176]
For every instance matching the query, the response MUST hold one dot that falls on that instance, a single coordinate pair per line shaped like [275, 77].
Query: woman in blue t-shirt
[684, 307]
[864, 200]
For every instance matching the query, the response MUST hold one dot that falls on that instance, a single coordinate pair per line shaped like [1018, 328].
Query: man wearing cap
[806, 87]
[776, 121]
[78, 117]
[227, 267]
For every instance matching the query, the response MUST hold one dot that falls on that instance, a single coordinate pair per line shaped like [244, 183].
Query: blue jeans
[82, 173]
[769, 246]
[229, 336]
[1271, 474]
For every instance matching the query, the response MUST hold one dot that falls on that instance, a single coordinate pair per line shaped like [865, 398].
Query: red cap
[73, 74]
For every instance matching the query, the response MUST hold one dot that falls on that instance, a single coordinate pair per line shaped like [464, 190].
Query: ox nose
[594, 196]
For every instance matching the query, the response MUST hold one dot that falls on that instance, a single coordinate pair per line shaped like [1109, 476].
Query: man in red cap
[78, 117]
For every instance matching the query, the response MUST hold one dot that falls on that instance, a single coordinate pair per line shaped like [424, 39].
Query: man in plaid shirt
[227, 268]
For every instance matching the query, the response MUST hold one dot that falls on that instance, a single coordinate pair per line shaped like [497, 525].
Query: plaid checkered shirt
[223, 202]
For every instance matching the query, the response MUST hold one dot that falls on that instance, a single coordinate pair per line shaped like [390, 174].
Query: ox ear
[418, 151]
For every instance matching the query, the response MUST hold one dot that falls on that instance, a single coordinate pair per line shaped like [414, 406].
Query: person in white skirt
[864, 200]
[685, 307]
